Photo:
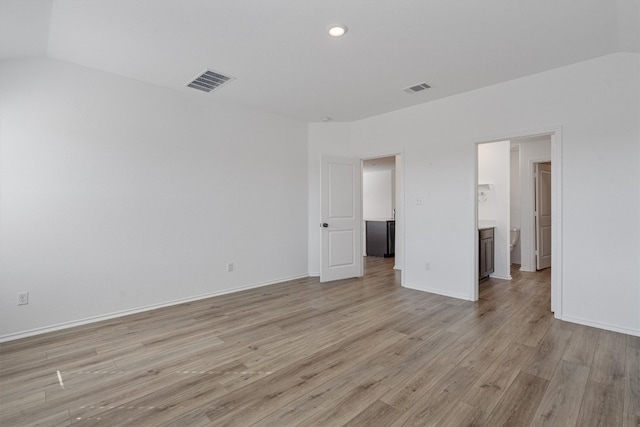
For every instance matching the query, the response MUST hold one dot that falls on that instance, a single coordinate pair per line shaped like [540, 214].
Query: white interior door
[341, 219]
[543, 215]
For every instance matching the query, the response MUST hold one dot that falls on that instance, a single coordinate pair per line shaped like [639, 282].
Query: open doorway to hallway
[342, 222]
[381, 200]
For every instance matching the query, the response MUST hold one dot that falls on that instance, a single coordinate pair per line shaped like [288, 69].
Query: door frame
[400, 201]
[555, 133]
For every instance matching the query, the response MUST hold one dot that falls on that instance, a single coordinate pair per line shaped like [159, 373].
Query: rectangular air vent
[209, 81]
[417, 88]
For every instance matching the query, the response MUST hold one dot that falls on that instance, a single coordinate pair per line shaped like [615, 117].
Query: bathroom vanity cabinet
[486, 252]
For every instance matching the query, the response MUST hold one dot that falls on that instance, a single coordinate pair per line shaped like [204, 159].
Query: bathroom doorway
[512, 177]
[494, 220]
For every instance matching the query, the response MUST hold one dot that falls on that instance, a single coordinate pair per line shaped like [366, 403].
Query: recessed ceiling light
[326, 119]
[337, 30]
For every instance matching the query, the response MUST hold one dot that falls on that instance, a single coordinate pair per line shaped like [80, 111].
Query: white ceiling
[285, 62]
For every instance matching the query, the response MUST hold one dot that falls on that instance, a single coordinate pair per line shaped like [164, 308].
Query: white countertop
[486, 223]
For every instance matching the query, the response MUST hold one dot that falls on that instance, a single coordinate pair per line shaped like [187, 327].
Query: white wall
[537, 149]
[493, 168]
[117, 195]
[514, 200]
[378, 190]
[596, 105]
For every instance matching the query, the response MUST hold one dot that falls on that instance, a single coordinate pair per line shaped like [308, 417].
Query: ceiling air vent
[417, 88]
[210, 81]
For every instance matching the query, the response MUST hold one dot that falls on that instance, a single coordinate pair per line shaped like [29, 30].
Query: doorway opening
[342, 224]
[381, 205]
[517, 207]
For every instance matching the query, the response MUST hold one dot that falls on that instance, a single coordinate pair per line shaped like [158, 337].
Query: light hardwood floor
[361, 352]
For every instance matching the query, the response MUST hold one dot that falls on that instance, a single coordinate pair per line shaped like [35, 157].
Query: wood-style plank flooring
[360, 352]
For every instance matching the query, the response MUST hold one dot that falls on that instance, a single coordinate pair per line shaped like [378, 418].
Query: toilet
[515, 236]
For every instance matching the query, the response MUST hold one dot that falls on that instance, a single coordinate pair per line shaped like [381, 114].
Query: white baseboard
[600, 325]
[438, 292]
[498, 276]
[93, 319]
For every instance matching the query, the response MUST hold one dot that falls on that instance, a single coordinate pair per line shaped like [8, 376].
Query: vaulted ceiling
[284, 61]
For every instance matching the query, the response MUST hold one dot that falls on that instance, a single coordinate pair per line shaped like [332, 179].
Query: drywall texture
[118, 195]
[595, 104]
[378, 195]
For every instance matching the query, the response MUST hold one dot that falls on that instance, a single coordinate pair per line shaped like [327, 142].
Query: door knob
[325, 225]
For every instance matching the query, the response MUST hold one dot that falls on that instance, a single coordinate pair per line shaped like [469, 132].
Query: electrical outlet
[230, 266]
[427, 266]
[23, 298]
